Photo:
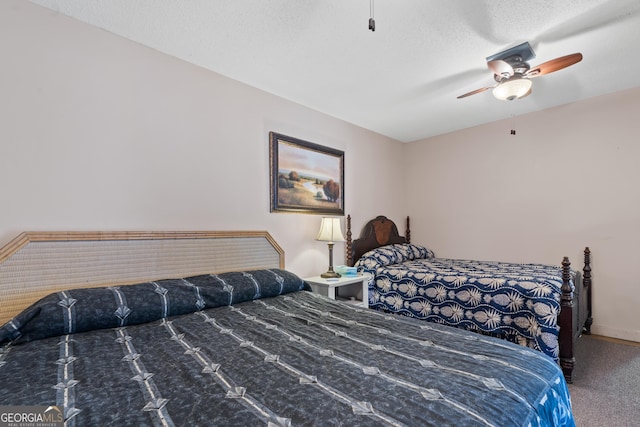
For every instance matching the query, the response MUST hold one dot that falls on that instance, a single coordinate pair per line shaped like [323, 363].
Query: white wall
[567, 179]
[99, 133]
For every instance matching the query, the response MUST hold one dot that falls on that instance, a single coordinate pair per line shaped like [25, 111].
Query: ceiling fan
[512, 72]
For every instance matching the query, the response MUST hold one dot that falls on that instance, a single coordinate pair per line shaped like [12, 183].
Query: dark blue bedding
[518, 302]
[256, 348]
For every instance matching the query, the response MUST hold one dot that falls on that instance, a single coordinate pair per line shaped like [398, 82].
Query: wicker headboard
[35, 264]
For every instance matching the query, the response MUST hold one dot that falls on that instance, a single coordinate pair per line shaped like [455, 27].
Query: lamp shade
[514, 88]
[330, 230]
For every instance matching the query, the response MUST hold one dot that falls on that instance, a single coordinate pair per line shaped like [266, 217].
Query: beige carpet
[606, 383]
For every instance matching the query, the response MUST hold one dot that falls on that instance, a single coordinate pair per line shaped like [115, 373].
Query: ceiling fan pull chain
[372, 22]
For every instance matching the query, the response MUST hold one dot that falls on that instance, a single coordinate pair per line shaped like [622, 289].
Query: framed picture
[305, 177]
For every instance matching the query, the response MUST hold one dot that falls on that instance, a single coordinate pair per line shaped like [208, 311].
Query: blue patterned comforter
[518, 302]
[255, 348]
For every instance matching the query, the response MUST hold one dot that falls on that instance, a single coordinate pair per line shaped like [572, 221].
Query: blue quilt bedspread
[518, 302]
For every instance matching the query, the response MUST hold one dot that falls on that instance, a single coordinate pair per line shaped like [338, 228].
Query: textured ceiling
[401, 80]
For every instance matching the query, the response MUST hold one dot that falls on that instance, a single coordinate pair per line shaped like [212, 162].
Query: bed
[540, 306]
[208, 328]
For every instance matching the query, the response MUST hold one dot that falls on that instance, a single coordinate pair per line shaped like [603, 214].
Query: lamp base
[330, 275]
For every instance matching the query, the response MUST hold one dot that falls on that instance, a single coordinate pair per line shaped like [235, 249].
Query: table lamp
[331, 232]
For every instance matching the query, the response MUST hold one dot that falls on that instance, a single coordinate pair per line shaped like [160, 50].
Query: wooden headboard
[35, 264]
[377, 232]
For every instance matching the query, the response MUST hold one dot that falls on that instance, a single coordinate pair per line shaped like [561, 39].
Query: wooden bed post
[586, 283]
[349, 252]
[565, 320]
[407, 232]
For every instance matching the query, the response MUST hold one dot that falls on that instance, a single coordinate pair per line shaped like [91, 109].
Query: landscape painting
[305, 177]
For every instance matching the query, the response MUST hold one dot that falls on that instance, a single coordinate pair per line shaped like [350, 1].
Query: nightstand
[353, 289]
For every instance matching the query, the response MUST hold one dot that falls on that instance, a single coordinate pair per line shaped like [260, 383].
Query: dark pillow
[80, 310]
[11, 329]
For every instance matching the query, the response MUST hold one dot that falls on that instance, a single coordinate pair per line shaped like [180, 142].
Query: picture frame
[305, 177]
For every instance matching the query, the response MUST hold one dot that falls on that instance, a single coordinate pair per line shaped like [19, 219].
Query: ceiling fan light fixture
[513, 88]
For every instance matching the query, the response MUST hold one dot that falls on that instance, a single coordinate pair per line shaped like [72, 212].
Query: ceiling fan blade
[473, 92]
[500, 67]
[554, 65]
